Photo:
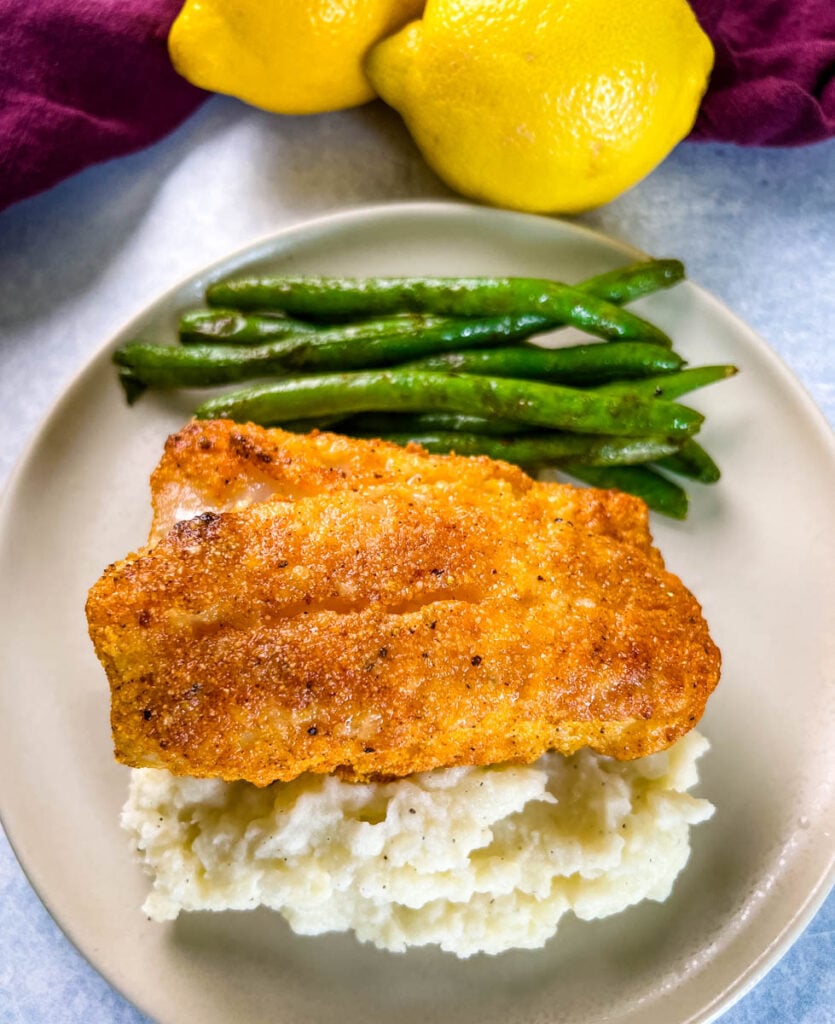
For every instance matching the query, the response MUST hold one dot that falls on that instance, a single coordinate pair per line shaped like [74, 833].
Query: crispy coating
[418, 611]
[221, 466]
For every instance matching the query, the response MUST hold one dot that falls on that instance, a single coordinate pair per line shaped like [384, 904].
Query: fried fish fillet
[221, 466]
[381, 612]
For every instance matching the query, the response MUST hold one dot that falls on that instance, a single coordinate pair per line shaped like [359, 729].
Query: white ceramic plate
[757, 550]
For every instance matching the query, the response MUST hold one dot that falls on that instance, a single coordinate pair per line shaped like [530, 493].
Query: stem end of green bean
[132, 386]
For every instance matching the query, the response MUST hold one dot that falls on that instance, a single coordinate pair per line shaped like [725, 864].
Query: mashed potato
[473, 859]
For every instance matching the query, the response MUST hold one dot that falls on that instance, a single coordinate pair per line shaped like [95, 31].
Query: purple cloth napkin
[85, 80]
[773, 83]
[82, 81]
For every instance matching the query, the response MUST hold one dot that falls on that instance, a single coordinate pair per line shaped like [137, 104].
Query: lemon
[545, 106]
[288, 56]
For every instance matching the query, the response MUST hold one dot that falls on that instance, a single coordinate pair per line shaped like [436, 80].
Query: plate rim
[354, 215]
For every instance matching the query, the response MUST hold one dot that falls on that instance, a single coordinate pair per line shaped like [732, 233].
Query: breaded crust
[221, 466]
[462, 614]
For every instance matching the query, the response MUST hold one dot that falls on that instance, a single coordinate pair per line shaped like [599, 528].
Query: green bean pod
[403, 390]
[660, 494]
[691, 460]
[197, 366]
[228, 325]
[201, 326]
[372, 343]
[535, 451]
[671, 385]
[575, 364]
[339, 298]
[634, 281]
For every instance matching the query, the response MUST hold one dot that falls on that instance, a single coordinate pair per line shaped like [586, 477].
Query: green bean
[403, 390]
[535, 451]
[691, 460]
[229, 325]
[195, 366]
[577, 364]
[671, 385]
[660, 494]
[629, 283]
[337, 298]
[430, 423]
[372, 343]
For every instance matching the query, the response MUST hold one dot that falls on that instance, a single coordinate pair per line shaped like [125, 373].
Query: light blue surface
[757, 228]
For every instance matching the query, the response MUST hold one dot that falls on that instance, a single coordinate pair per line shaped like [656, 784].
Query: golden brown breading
[220, 466]
[459, 615]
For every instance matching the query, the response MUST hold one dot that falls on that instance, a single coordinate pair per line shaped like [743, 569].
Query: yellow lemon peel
[287, 56]
[545, 106]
